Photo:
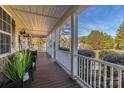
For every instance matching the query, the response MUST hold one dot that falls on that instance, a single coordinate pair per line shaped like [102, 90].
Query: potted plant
[16, 69]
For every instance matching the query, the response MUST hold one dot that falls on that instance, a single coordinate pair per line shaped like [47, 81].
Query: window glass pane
[9, 28]
[0, 24]
[4, 15]
[65, 36]
[9, 19]
[0, 12]
[8, 46]
[4, 26]
[4, 43]
[0, 43]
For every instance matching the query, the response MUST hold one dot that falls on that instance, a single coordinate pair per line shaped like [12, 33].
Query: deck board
[51, 75]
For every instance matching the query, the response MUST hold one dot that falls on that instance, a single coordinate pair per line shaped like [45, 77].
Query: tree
[95, 38]
[98, 40]
[119, 40]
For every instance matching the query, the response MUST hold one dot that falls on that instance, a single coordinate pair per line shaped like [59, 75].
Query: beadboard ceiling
[40, 19]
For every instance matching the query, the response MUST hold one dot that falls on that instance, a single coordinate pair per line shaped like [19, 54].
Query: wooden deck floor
[51, 75]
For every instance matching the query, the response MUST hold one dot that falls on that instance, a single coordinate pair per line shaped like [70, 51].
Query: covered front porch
[55, 66]
[50, 75]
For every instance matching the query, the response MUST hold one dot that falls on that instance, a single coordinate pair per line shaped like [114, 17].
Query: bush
[113, 57]
[104, 53]
[64, 48]
[83, 52]
[87, 53]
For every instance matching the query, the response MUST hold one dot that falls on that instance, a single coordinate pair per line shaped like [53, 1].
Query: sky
[104, 18]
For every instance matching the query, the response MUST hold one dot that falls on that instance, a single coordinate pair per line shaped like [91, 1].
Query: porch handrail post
[57, 43]
[47, 44]
[52, 40]
[74, 46]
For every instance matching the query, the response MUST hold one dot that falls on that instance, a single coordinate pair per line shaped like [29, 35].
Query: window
[5, 32]
[65, 36]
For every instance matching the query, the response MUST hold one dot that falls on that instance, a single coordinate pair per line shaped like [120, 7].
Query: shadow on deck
[51, 75]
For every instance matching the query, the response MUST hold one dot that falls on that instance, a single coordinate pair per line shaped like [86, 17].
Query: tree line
[99, 40]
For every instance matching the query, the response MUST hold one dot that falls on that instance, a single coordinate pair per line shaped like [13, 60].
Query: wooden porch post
[74, 46]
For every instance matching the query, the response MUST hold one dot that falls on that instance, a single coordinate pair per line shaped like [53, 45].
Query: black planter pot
[31, 73]
[20, 83]
[34, 53]
[27, 83]
[14, 84]
[34, 62]
[34, 66]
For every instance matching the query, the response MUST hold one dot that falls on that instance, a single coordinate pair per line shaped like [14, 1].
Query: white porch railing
[100, 74]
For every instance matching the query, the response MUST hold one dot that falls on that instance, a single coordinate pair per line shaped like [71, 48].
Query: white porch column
[47, 44]
[57, 40]
[54, 44]
[50, 45]
[74, 46]
[53, 40]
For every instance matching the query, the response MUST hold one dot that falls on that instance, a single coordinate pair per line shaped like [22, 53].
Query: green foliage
[87, 53]
[119, 40]
[10, 70]
[112, 56]
[104, 52]
[17, 67]
[98, 40]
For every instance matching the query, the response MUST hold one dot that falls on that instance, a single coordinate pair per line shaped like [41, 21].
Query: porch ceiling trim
[73, 9]
[29, 12]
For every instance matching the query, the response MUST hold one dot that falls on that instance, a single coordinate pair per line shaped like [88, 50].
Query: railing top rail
[103, 62]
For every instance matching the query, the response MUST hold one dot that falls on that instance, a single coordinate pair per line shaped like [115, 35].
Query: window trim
[7, 33]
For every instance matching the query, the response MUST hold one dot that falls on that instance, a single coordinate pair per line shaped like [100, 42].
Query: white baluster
[94, 74]
[91, 73]
[105, 76]
[87, 69]
[111, 77]
[99, 75]
[84, 68]
[119, 78]
[79, 66]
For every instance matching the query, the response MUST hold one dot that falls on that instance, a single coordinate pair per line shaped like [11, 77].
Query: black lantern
[22, 32]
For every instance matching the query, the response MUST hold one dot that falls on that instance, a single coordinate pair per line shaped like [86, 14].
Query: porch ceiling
[40, 19]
